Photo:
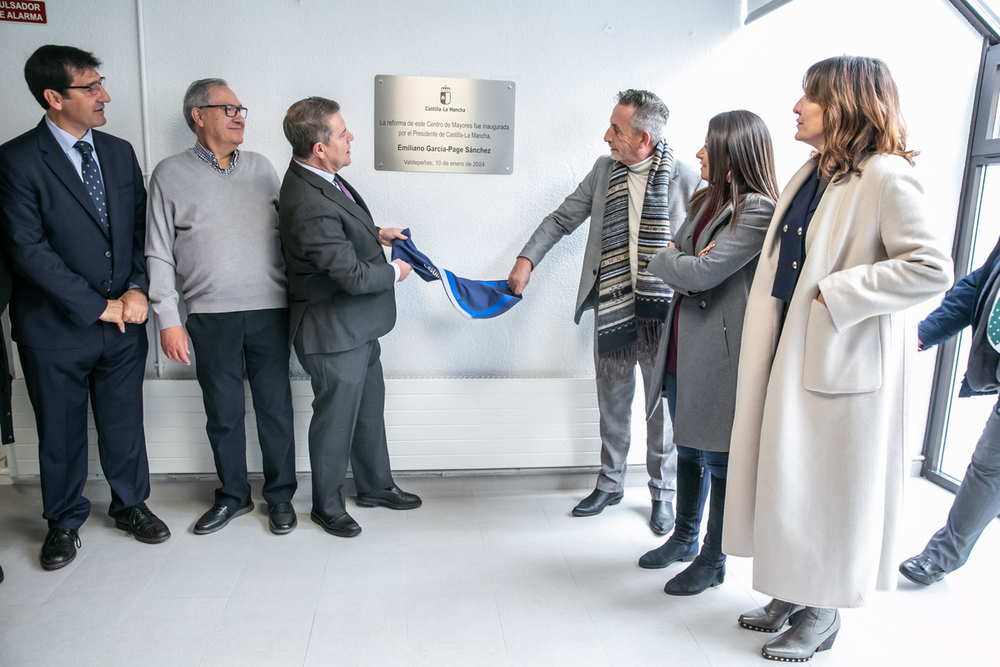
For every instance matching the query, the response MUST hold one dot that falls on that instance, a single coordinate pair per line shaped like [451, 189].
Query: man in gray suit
[340, 290]
[633, 199]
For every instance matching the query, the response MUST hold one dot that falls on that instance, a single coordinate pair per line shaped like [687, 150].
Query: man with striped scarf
[633, 198]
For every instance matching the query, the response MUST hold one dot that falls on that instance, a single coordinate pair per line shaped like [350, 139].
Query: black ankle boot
[709, 568]
[697, 577]
[692, 487]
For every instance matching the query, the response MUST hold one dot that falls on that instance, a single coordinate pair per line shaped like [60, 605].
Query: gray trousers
[976, 504]
[348, 424]
[614, 401]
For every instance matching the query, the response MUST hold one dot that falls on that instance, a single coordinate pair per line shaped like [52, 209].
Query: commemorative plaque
[444, 125]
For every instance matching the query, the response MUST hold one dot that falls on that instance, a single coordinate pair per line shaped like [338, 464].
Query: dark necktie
[92, 180]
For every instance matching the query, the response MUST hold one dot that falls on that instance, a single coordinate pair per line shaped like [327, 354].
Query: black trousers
[223, 344]
[108, 371]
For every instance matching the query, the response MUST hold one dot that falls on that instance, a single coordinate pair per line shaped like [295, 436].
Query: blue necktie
[92, 180]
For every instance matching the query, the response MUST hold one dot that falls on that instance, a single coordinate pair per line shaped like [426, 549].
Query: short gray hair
[650, 113]
[199, 94]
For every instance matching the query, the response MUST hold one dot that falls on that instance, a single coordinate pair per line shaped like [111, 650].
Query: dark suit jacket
[65, 264]
[340, 286]
[966, 305]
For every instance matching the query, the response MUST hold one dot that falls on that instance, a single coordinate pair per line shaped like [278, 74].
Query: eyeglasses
[91, 88]
[230, 109]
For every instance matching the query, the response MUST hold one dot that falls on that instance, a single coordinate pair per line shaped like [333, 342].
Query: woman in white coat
[817, 452]
[710, 268]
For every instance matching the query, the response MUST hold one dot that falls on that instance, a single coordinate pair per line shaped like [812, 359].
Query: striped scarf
[630, 321]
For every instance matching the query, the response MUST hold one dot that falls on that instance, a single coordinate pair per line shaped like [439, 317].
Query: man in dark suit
[72, 216]
[975, 302]
[340, 290]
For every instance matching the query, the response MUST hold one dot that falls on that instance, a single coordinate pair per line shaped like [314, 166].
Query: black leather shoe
[218, 518]
[1, 575]
[281, 518]
[142, 524]
[661, 517]
[596, 502]
[59, 548]
[341, 525]
[921, 570]
[393, 498]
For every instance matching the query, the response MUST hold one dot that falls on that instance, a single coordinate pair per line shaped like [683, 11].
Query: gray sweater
[214, 237]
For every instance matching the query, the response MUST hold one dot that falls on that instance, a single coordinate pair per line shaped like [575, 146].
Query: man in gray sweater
[212, 233]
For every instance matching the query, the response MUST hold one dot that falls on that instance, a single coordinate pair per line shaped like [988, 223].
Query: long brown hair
[738, 146]
[860, 113]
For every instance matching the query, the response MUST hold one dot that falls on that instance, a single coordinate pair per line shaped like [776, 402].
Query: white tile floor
[490, 571]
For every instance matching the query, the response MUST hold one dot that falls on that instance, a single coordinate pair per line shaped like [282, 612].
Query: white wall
[568, 58]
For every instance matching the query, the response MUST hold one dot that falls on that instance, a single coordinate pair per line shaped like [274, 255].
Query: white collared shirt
[325, 175]
[67, 142]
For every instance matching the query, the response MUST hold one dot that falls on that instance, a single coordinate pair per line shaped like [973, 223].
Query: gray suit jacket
[588, 201]
[340, 286]
[713, 290]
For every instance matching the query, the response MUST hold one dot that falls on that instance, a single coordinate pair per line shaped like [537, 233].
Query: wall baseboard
[431, 424]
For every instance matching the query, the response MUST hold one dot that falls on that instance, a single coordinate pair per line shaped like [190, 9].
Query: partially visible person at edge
[710, 266]
[973, 303]
[6, 423]
[817, 452]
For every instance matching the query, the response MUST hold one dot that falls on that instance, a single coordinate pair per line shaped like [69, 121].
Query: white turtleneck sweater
[638, 174]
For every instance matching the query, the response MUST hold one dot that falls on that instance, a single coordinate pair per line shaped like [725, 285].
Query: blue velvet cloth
[475, 299]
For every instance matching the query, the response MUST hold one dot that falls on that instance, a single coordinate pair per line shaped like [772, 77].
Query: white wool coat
[817, 456]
